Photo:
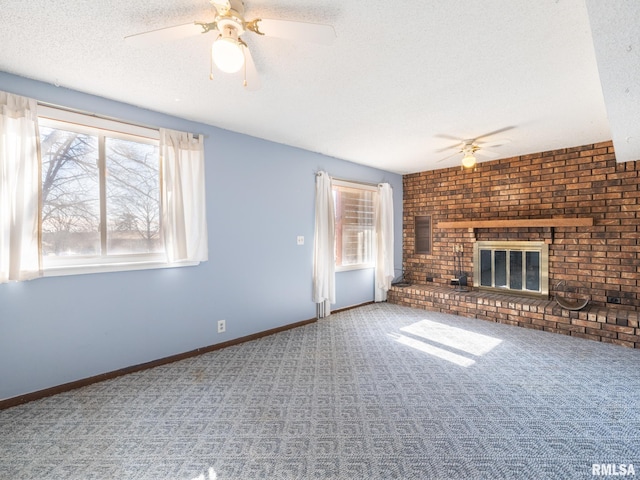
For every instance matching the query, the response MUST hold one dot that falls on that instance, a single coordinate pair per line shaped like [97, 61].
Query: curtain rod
[356, 181]
[103, 117]
[95, 115]
[352, 181]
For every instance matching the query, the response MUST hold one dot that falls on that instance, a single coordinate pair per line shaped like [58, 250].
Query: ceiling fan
[229, 53]
[469, 148]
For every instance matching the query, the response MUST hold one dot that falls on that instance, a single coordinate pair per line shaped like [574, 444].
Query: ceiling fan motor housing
[231, 21]
[469, 148]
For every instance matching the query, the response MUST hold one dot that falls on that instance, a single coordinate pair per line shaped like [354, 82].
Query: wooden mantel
[521, 223]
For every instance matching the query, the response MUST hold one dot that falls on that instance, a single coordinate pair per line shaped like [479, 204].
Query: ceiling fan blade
[448, 137]
[495, 143]
[448, 157]
[455, 145]
[495, 132]
[308, 32]
[165, 34]
[251, 76]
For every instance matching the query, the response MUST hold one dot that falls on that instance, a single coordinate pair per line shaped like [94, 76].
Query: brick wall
[583, 181]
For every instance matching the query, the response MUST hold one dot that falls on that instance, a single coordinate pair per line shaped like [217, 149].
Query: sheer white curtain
[19, 189]
[184, 222]
[384, 241]
[324, 261]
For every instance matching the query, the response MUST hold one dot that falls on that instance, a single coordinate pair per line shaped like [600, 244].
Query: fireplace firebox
[512, 266]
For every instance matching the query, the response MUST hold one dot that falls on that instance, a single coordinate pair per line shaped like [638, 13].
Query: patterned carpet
[377, 392]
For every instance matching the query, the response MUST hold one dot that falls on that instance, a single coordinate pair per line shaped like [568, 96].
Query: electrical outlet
[300, 240]
[222, 326]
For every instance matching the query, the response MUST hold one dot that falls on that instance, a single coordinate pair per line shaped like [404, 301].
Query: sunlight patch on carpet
[434, 351]
[212, 475]
[452, 344]
[467, 341]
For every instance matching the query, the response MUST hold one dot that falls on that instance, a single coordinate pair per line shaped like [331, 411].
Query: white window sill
[63, 270]
[348, 268]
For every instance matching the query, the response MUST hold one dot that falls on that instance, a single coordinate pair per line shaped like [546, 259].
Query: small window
[355, 224]
[423, 234]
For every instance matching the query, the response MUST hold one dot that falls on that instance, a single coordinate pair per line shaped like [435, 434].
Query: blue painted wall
[260, 197]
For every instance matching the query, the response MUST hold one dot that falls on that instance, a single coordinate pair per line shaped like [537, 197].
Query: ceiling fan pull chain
[211, 67]
[244, 83]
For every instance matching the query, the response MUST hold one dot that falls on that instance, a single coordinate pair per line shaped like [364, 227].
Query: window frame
[357, 186]
[82, 264]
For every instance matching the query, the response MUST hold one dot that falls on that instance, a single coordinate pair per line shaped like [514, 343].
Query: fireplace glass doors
[516, 267]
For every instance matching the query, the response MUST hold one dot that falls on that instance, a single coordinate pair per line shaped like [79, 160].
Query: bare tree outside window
[100, 193]
[133, 197]
[70, 193]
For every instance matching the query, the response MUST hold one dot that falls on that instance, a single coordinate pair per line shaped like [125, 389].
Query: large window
[100, 192]
[355, 224]
[84, 194]
[101, 201]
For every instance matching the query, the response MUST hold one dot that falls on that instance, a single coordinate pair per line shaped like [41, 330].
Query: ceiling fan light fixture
[227, 51]
[469, 160]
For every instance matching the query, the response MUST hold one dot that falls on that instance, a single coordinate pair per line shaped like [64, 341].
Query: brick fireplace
[518, 199]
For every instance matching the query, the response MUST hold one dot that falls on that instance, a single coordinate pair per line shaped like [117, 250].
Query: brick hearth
[612, 325]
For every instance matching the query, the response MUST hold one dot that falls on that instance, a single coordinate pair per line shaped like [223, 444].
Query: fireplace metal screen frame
[522, 246]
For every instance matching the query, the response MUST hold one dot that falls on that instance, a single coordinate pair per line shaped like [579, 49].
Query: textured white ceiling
[401, 82]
